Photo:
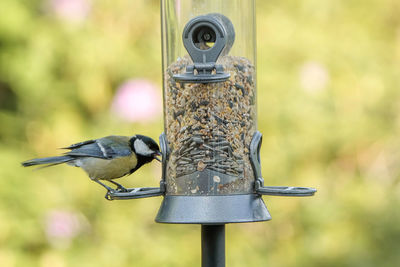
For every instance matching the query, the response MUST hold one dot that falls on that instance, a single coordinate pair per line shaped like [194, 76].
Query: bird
[106, 158]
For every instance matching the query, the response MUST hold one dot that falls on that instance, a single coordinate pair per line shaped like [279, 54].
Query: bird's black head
[145, 148]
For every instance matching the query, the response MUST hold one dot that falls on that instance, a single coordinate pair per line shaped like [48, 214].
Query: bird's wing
[115, 146]
[73, 146]
[105, 148]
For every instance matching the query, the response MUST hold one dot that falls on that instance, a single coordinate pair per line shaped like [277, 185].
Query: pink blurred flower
[178, 8]
[72, 10]
[63, 226]
[314, 77]
[137, 101]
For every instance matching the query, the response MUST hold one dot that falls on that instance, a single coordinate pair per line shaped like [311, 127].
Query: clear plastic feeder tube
[209, 125]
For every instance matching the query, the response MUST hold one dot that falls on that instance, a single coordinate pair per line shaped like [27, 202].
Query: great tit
[106, 158]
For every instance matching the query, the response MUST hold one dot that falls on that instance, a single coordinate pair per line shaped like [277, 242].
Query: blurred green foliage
[328, 103]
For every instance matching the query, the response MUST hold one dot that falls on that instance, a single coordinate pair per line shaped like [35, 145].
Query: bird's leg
[105, 186]
[119, 186]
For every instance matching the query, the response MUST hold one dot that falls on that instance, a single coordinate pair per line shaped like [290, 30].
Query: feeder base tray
[212, 209]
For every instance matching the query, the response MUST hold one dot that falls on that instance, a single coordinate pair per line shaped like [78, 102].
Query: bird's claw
[122, 189]
[111, 191]
[108, 194]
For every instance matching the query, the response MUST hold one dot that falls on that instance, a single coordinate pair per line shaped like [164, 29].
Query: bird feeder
[211, 172]
[211, 169]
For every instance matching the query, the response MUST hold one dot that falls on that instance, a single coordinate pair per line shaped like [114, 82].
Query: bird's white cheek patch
[141, 148]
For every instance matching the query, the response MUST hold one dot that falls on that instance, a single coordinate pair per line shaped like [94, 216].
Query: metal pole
[213, 245]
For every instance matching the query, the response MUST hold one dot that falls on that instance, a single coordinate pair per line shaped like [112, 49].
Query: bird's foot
[108, 194]
[120, 187]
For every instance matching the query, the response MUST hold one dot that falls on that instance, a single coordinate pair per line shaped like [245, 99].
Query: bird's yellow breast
[107, 169]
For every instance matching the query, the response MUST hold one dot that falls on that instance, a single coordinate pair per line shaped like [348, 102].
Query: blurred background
[328, 105]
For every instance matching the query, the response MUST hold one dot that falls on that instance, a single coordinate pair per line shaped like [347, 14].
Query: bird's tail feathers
[51, 161]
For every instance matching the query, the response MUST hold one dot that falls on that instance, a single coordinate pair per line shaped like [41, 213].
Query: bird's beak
[158, 153]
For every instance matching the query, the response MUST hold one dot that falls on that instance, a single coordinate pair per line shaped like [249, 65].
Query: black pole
[213, 245]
